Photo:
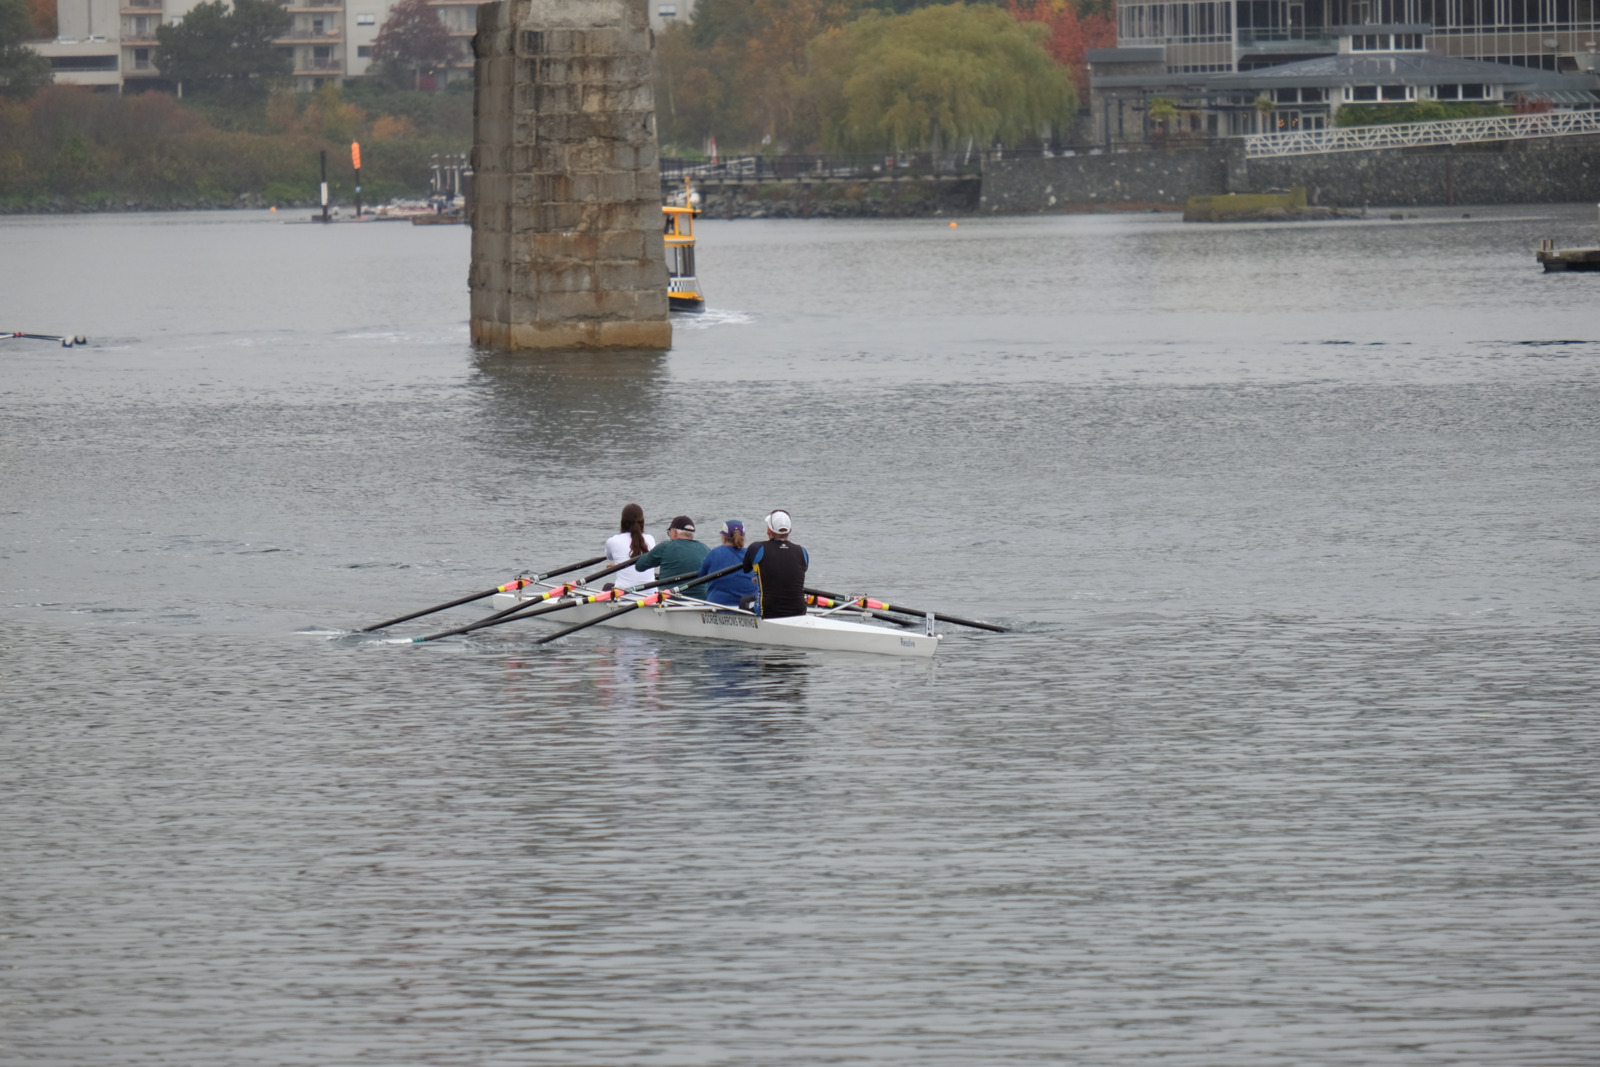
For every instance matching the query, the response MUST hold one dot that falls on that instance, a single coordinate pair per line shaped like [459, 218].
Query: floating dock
[1553, 259]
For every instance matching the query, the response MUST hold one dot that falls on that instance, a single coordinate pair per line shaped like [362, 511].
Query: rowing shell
[698, 618]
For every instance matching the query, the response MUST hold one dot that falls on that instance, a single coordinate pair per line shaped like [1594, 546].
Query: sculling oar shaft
[515, 583]
[516, 613]
[527, 609]
[609, 570]
[569, 567]
[510, 586]
[653, 598]
[691, 578]
[521, 609]
[879, 605]
[824, 602]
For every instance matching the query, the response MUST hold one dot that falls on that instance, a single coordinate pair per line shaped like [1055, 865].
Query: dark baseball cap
[682, 522]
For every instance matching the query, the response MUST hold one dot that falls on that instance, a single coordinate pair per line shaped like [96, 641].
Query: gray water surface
[1290, 760]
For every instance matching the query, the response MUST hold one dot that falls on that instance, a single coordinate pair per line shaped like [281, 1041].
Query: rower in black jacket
[779, 566]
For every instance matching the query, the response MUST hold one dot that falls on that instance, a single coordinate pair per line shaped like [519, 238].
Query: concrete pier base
[566, 214]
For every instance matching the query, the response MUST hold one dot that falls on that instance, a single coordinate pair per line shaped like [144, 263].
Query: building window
[83, 62]
[1360, 93]
[667, 11]
[1397, 92]
[366, 20]
[1474, 92]
[363, 51]
[141, 59]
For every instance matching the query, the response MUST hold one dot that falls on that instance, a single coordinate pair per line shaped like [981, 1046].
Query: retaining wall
[1547, 170]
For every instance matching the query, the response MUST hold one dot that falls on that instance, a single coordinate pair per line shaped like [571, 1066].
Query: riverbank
[900, 198]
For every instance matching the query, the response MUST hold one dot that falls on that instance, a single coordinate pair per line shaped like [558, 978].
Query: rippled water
[1291, 759]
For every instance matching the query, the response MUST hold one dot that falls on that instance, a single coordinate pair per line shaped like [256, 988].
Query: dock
[1555, 259]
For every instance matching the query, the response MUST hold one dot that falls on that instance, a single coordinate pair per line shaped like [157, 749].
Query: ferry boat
[683, 288]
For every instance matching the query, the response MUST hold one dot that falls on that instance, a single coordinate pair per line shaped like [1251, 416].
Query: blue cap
[730, 526]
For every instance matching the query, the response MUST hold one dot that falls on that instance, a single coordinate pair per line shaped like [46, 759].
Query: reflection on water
[551, 409]
[1291, 760]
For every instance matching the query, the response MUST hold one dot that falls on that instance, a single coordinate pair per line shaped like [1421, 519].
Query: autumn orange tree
[43, 13]
[1075, 27]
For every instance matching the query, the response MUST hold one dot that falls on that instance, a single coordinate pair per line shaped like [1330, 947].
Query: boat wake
[705, 320]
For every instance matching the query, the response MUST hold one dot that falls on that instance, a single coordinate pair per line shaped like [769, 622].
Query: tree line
[857, 76]
[866, 76]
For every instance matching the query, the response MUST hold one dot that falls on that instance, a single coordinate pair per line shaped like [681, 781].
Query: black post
[324, 156]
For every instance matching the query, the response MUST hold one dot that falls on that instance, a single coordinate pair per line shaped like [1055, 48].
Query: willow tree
[935, 78]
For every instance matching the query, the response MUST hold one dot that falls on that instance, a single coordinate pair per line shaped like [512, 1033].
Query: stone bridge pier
[566, 213]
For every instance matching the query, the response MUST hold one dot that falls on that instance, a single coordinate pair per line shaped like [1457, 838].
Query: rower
[628, 542]
[731, 589]
[679, 554]
[779, 566]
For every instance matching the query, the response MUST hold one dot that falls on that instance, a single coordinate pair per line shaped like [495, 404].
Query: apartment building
[1207, 56]
[111, 44]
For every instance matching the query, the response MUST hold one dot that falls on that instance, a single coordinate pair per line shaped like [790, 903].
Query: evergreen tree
[215, 48]
[23, 71]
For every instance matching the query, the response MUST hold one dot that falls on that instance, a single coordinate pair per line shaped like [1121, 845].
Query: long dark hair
[633, 523]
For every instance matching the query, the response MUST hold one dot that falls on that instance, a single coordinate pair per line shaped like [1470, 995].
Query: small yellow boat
[683, 288]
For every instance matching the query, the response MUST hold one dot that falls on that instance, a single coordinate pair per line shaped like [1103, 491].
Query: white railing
[1410, 134]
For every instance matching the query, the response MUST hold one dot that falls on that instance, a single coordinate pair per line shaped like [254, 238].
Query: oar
[520, 609]
[649, 601]
[66, 342]
[609, 570]
[879, 605]
[526, 610]
[824, 602]
[510, 586]
[652, 599]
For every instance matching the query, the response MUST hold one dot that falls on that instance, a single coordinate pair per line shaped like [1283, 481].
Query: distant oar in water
[66, 342]
[516, 583]
[881, 606]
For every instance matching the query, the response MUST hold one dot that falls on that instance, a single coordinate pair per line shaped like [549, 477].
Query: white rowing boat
[836, 630]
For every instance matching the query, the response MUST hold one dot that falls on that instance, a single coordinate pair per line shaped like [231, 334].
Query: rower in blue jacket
[730, 589]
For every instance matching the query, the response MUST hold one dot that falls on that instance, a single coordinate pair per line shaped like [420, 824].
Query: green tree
[937, 77]
[23, 71]
[754, 52]
[215, 48]
[410, 42]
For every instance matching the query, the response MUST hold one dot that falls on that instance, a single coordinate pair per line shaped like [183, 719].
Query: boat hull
[696, 619]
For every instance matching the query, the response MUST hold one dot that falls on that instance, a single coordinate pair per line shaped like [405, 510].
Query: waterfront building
[1228, 67]
[110, 45]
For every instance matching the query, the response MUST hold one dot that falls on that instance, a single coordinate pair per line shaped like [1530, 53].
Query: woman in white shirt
[631, 542]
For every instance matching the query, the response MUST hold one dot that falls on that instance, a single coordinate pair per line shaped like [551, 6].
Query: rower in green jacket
[679, 554]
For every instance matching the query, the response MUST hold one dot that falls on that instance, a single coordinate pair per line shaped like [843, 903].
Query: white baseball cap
[779, 522]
